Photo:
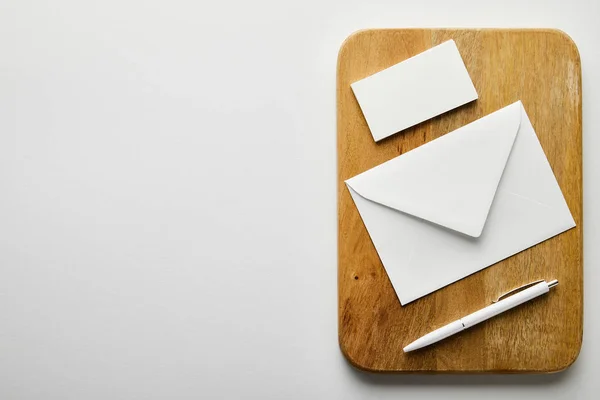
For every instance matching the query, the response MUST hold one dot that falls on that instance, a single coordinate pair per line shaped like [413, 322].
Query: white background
[168, 207]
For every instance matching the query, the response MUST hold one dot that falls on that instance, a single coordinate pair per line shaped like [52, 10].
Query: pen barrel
[504, 305]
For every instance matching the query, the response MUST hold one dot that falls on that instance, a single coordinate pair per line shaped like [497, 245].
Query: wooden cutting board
[541, 68]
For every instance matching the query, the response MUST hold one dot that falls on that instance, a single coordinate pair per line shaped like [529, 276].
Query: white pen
[525, 293]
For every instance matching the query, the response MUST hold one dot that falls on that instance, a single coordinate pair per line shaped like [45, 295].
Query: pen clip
[515, 290]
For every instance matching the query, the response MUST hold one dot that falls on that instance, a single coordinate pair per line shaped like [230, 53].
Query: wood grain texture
[541, 68]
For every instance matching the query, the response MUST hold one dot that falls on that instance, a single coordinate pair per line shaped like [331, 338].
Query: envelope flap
[450, 181]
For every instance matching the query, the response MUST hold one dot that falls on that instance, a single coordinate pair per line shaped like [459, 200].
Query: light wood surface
[542, 69]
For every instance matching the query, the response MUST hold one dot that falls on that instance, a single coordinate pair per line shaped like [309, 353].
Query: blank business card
[415, 90]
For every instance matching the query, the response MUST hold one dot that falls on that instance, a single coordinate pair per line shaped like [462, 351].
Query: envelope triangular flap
[450, 181]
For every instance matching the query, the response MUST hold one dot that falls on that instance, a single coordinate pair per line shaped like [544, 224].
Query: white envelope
[460, 203]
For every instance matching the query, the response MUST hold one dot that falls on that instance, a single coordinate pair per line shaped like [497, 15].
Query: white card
[415, 90]
[461, 203]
